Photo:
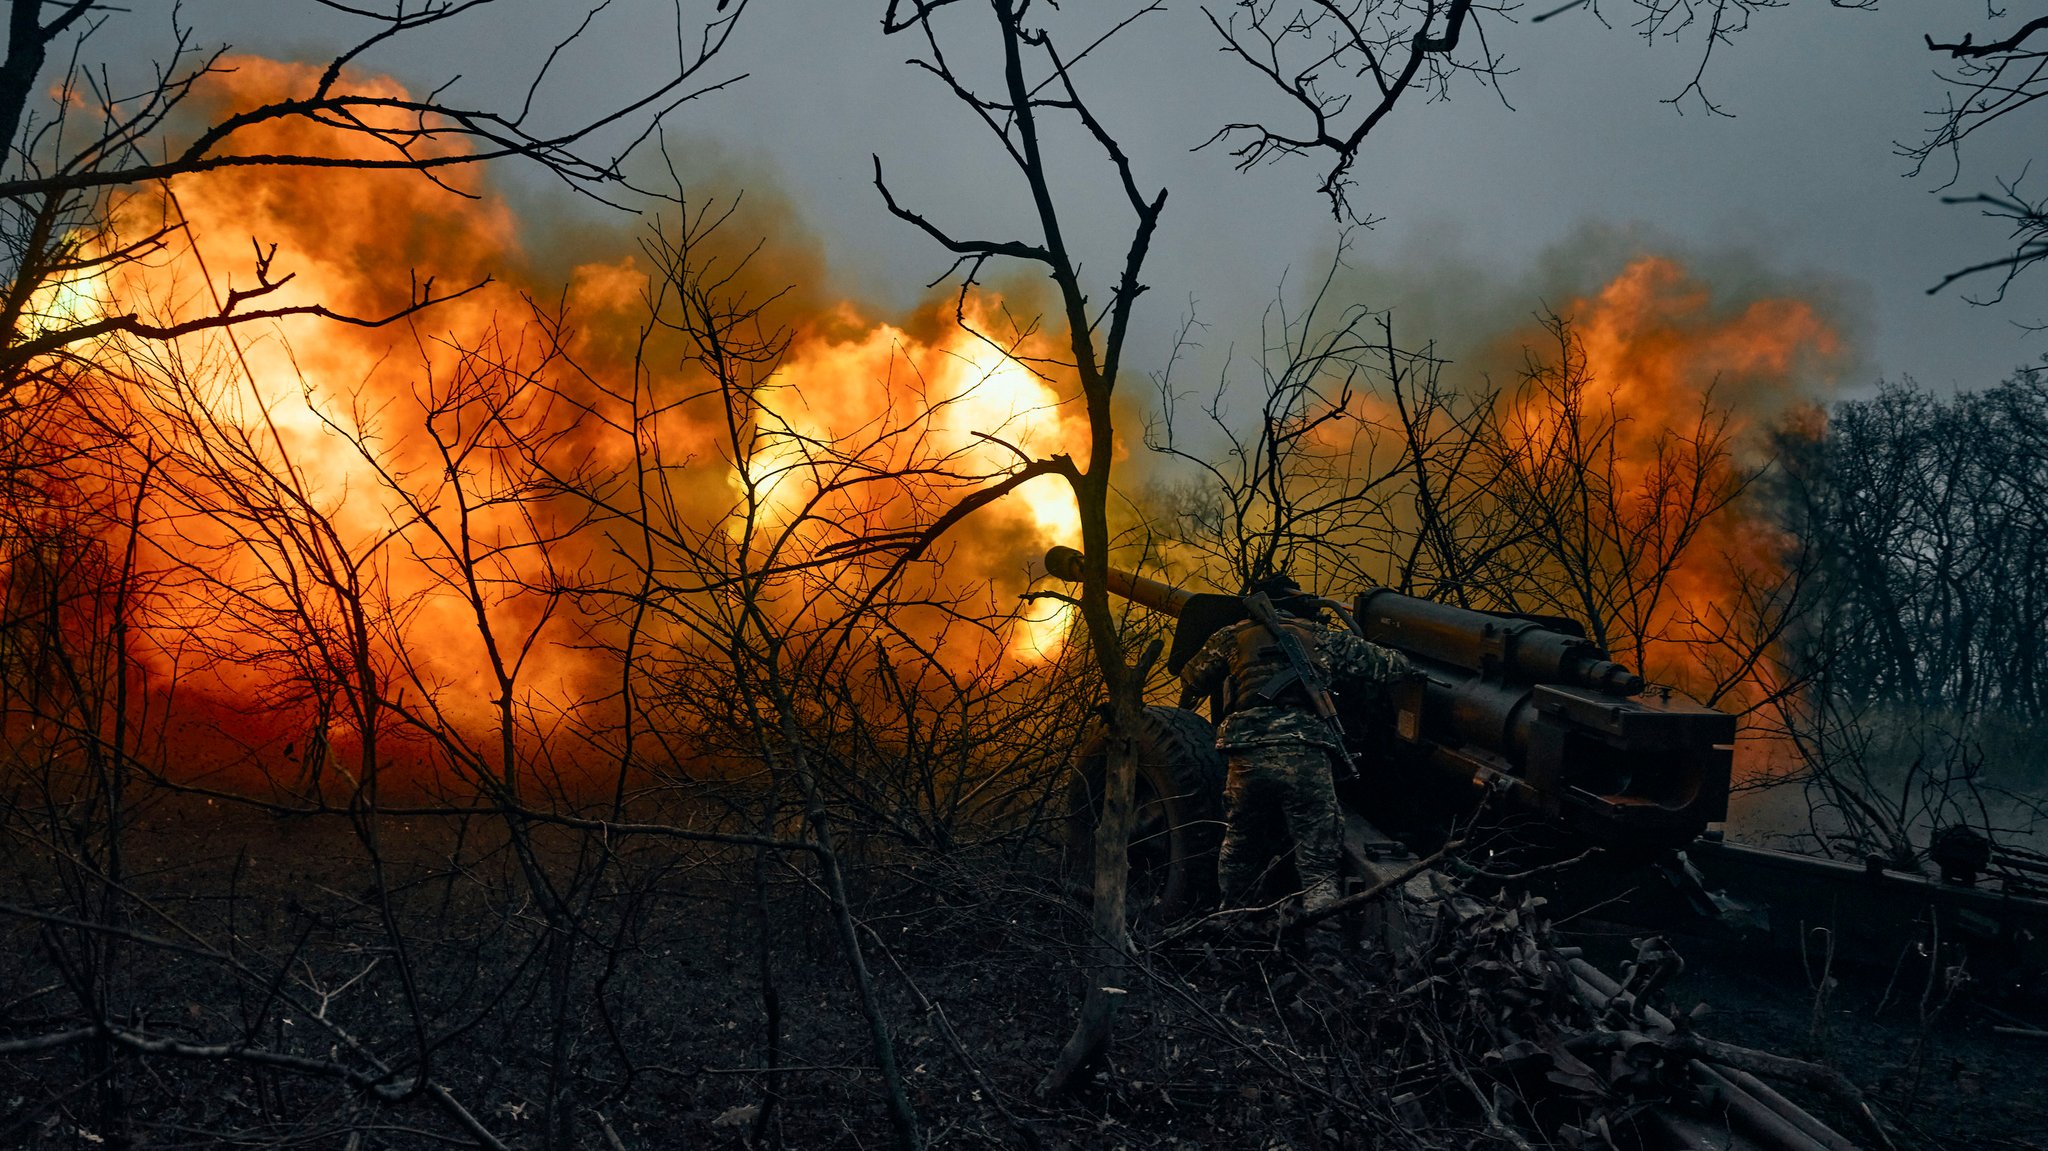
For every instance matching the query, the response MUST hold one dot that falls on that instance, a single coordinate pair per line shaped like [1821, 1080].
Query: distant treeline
[1924, 522]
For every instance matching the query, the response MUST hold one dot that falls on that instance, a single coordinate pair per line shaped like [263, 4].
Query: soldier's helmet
[1286, 594]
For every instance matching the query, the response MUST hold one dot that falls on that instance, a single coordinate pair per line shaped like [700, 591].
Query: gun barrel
[1503, 646]
[1065, 563]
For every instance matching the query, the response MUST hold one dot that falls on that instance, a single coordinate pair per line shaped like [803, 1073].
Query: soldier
[1280, 752]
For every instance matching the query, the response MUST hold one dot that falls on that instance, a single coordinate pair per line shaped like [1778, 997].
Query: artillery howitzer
[1520, 705]
[1577, 747]
[1578, 752]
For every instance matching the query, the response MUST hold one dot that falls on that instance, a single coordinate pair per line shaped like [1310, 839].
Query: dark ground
[1946, 1078]
[1237, 1044]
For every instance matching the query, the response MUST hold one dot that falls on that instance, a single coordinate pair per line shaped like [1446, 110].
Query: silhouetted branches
[1343, 66]
[69, 164]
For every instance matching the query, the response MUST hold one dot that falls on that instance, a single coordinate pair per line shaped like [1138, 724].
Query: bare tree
[76, 713]
[1364, 465]
[1605, 523]
[767, 560]
[1920, 633]
[1316, 480]
[1924, 512]
[105, 385]
[1341, 67]
[1308, 52]
[1988, 83]
[96, 145]
[260, 559]
[1036, 88]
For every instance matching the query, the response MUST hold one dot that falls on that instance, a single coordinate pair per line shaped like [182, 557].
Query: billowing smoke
[480, 499]
[464, 498]
[1588, 436]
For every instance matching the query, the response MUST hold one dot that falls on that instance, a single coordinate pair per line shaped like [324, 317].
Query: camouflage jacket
[1233, 657]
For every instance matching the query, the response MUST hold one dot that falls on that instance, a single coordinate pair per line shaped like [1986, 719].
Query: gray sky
[1802, 182]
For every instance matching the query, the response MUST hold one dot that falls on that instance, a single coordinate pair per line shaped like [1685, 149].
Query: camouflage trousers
[1278, 797]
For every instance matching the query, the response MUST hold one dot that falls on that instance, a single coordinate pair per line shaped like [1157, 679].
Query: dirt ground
[692, 1022]
[1947, 1078]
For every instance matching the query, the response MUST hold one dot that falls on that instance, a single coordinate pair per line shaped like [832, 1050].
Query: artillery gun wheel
[1179, 826]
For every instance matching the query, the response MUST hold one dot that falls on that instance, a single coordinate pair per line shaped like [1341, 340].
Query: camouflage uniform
[1280, 754]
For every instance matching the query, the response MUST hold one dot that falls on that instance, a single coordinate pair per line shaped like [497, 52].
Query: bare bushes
[1880, 782]
[1366, 464]
[1917, 632]
[518, 763]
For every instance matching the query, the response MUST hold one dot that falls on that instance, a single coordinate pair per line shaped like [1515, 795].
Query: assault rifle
[1302, 670]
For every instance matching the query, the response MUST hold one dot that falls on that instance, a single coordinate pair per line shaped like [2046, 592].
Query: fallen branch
[2020, 1032]
[1762, 1064]
[1361, 899]
[378, 1086]
[1350, 903]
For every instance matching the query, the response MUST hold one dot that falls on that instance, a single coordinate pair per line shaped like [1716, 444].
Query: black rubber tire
[1180, 813]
